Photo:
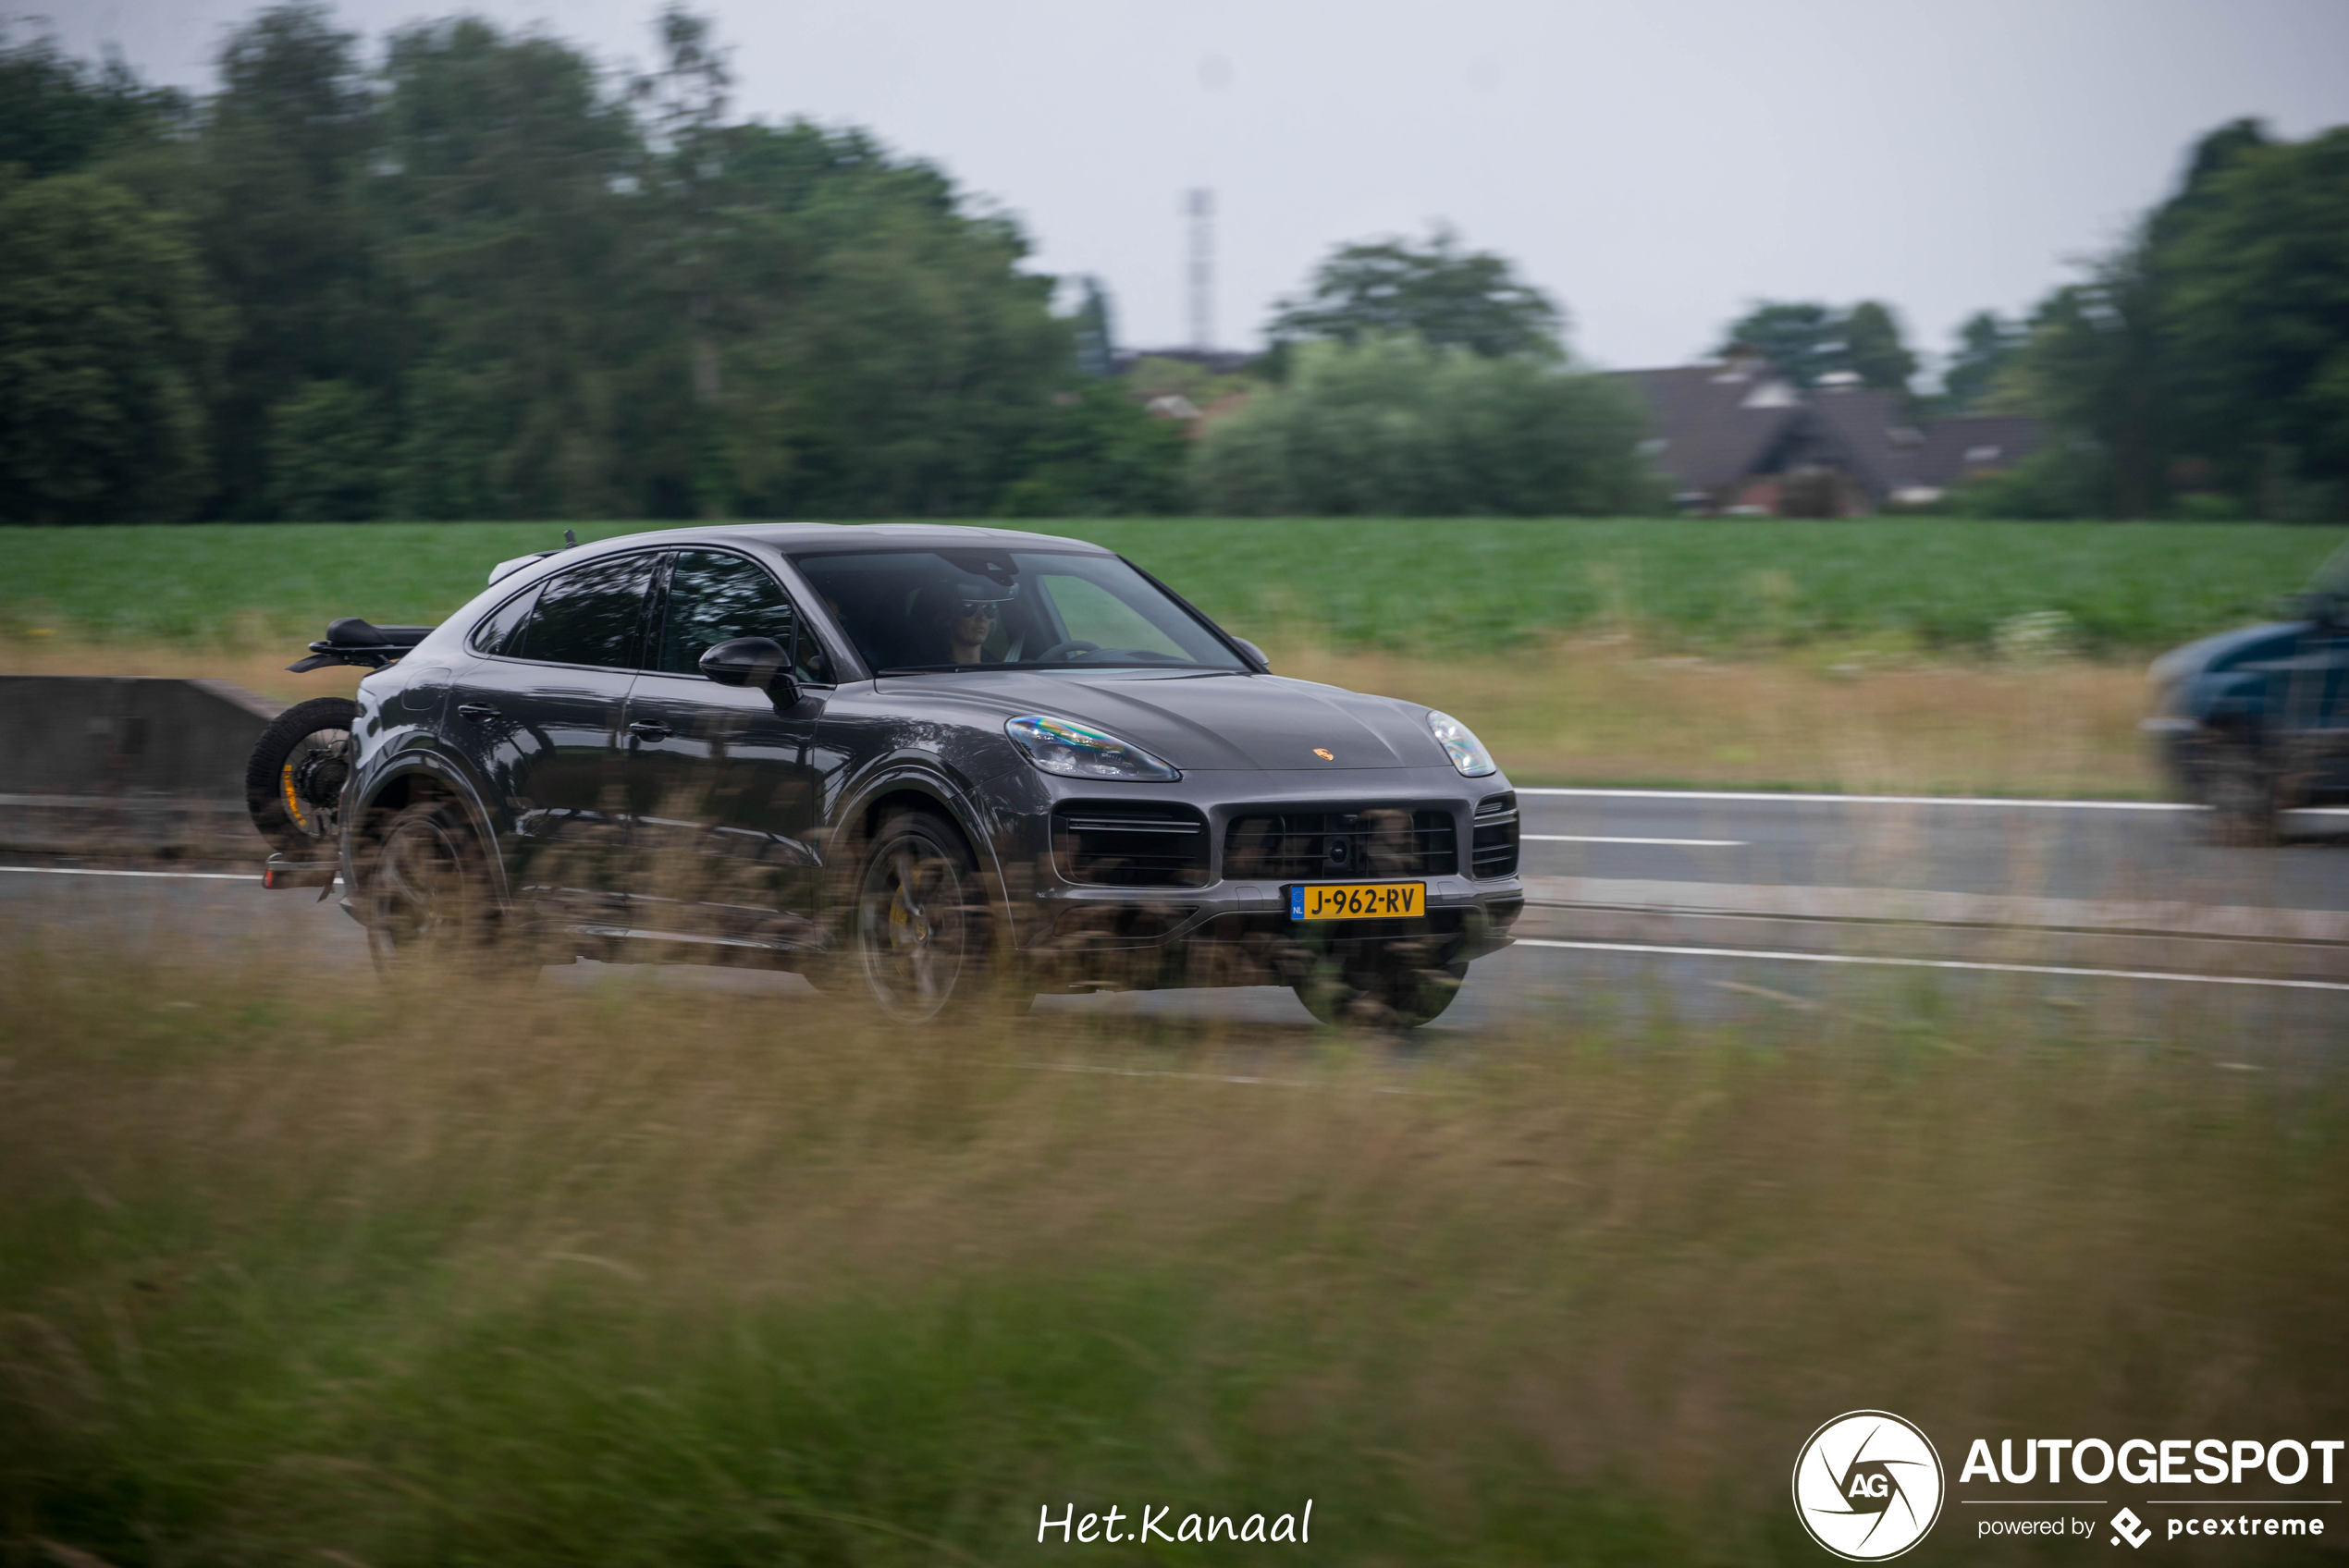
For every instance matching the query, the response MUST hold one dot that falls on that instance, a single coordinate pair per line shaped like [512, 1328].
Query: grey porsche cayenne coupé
[942, 766]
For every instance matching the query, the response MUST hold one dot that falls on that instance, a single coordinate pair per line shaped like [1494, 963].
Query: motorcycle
[294, 778]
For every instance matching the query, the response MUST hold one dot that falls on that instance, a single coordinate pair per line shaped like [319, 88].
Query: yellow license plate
[1357, 900]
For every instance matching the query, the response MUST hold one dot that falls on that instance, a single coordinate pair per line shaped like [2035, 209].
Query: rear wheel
[294, 779]
[429, 906]
[919, 933]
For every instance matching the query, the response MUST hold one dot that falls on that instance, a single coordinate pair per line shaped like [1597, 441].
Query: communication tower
[1201, 205]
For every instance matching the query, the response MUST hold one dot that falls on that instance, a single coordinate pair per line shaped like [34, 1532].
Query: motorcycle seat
[352, 633]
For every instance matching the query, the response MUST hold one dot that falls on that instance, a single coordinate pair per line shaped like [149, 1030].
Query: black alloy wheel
[425, 883]
[920, 931]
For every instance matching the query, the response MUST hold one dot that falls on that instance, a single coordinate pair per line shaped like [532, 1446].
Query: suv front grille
[1127, 844]
[1326, 846]
[1492, 846]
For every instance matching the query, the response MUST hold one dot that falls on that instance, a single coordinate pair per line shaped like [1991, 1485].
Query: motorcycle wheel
[293, 782]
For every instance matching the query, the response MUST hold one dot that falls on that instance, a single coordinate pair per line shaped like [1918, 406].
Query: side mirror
[1252, 651]
[753, 661]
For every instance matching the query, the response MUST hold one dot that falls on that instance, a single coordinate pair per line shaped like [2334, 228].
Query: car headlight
[1079, 751]
[1460, 744]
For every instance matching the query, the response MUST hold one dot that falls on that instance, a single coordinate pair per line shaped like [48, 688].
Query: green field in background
[1406, 585]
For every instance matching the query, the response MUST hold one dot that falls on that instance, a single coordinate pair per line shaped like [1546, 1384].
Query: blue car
[2256, 721]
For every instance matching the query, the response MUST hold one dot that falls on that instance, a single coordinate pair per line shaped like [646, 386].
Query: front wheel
[294, 778]
[919, 933]
[2241, 789]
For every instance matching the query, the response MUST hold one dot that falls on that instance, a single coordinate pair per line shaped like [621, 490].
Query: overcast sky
[1654, 167]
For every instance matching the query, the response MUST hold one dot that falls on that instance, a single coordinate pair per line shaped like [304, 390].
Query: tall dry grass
[1848, 719]
[294, 1272]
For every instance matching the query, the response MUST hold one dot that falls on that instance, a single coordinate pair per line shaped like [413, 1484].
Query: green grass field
[1404, 586]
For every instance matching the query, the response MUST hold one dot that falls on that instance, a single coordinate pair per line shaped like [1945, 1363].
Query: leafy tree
[2255, 308]
[328, 454]
[511, 237]
[1986, 348]
[1097, 454]
[1804, 340]
[1873, 349]
[58, 115]
[487, 279]
[281, 201]
[2211, 349]
[1096, 340]
[108, 338]
[1397, 427]
[2091, 368]
[881, 350]
[1452, 298]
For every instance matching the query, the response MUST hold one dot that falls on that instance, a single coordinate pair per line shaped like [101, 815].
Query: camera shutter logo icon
[1868, 1486]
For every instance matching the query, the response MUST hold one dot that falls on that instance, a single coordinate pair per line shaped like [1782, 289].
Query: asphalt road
[1858, 859]
[2071, 850]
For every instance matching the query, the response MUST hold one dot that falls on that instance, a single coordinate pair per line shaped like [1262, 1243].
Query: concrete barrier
[99, 764]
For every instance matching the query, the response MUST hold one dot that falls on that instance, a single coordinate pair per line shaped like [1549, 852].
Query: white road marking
[252, 877]
[1766, 796]
[1935, 963]
[1594, 838]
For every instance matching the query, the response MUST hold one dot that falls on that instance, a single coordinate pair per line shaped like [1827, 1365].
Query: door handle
[647, 729]
[480, 713]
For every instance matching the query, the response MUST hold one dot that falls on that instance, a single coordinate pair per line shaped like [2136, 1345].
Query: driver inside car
[960, 618]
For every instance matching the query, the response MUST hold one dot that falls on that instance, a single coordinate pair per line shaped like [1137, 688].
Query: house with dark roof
[1737, 438]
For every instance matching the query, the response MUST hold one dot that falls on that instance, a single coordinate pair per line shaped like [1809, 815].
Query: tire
[918, 923]
[429, 906]
[294, 779]
[2240, 788]
[1393, 997]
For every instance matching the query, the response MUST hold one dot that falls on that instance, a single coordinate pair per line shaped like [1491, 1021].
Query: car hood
[2228, 650]
[1198, 722]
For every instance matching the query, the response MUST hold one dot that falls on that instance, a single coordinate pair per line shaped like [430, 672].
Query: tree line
[2198, 368]
[479, 275]
[483, 278]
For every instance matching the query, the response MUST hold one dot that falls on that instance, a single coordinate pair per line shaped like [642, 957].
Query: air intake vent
[1493, 850]
[1331, 846]
[1129, 844]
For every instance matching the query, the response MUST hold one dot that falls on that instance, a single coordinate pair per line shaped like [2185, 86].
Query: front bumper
[1236, 930]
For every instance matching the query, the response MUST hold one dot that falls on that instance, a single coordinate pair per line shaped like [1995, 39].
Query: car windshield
[919, 610]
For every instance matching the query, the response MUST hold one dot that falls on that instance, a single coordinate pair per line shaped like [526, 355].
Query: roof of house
[1869, 436]
[1967, 444]
[1719, 425]
[1715, 422]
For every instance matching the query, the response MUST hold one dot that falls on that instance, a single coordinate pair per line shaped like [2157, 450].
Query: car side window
[590, 615]
[500, 629]
[715, 597]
